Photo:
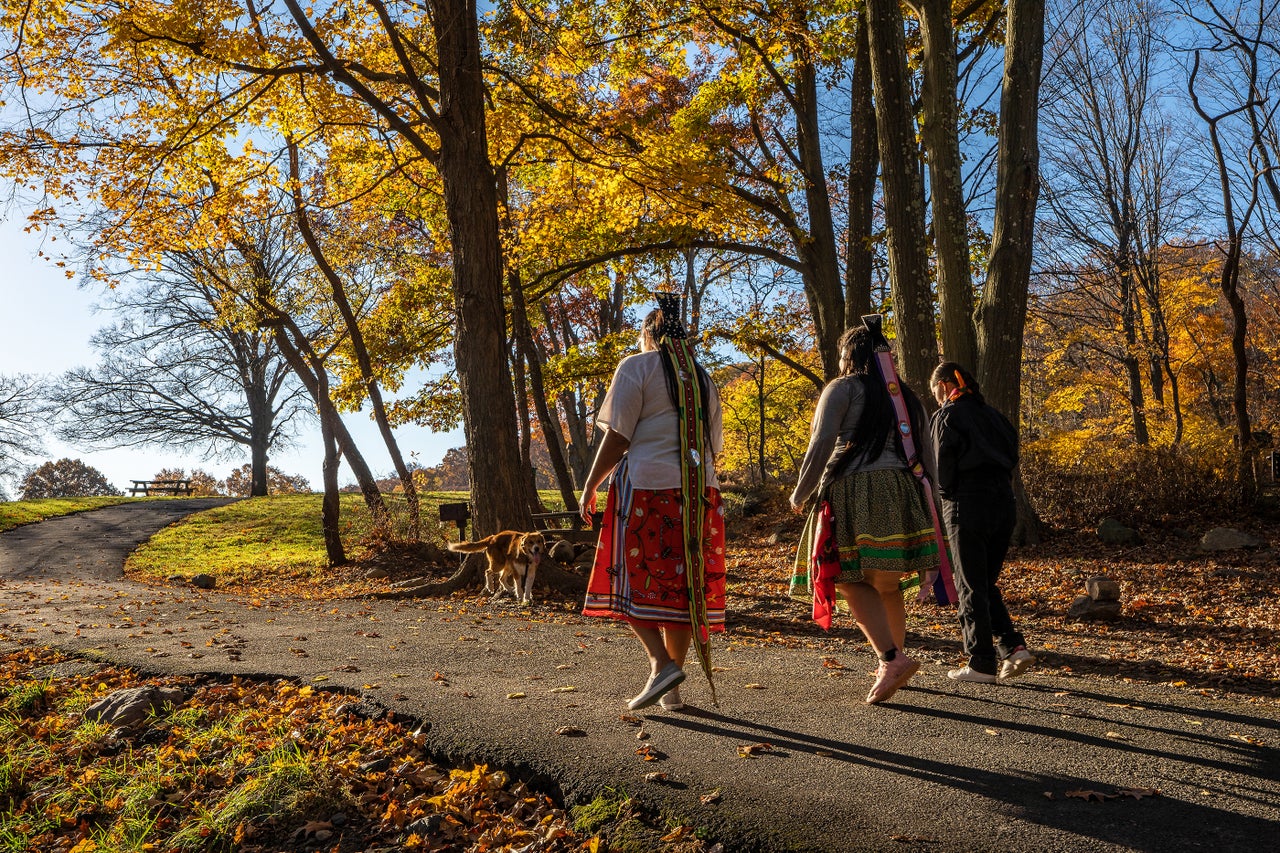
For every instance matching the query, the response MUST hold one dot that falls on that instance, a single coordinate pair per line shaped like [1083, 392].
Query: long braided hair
[857, 358]
[655, 326]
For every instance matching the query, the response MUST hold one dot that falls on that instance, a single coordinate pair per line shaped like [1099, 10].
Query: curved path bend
[943, 767]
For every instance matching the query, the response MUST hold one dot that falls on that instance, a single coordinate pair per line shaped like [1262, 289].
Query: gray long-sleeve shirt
[834, 421]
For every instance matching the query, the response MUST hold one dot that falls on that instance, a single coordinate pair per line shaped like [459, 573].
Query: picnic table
[563, 525]
[162, 487]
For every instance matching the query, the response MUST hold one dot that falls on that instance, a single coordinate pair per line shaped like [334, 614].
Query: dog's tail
[469, 547]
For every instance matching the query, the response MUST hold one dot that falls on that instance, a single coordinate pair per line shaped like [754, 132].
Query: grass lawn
[14, 513]
[267, 546]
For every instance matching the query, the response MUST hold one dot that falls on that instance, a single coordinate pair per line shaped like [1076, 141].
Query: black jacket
[975, 446]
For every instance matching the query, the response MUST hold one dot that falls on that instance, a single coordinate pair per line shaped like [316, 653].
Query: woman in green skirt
[869, 524]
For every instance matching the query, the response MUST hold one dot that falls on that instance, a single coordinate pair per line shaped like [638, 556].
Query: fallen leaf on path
[754, 749]
[571, 731]
[1116, 736]
[656, 776]
[1247, 739]
[629, 720]
[1137, 793]
[711, 797]
[568, 688]
[753, 686]
[992, 732]
[515, 695]
[1091, 796]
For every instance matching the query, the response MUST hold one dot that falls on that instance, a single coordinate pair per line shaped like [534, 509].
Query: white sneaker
[671, 700]
[1016, 664]
[967, 673]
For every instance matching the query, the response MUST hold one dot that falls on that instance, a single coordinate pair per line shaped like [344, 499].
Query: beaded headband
[669, 304]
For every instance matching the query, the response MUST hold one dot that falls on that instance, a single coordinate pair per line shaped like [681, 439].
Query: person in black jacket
[976, 451]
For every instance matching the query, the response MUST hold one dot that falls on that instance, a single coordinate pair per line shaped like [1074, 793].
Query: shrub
[1136, 485]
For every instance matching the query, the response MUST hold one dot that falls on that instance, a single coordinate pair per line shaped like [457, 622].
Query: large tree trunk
[864, 159]
[471, 205]
[917, 341]
[946, 183]
[1002, 311]
[818, 251]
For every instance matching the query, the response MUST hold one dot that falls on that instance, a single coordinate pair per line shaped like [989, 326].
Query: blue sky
[45, 325]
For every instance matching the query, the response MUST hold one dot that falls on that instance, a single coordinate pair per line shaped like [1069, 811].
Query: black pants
[980, 525]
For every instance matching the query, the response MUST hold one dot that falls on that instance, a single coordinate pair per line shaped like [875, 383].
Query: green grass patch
[282, 534]
[15, 513]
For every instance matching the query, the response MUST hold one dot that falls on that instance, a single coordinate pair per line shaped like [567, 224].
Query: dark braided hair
[651, 328]
[857, 348]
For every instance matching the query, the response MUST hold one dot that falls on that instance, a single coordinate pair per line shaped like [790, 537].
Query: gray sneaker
[1016, 664]
[670, 676]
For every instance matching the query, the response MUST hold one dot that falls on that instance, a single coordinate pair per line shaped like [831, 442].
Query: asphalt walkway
[1030, 766]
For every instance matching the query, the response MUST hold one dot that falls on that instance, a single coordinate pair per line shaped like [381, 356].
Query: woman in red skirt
[662, 430]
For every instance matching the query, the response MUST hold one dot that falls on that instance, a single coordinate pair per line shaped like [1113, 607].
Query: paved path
[943, 767]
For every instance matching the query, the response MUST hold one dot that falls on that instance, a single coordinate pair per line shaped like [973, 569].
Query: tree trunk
[917, 341]
[946, 183]
[1229, 282]
[528, 349]
[1132, 364]
[864, 160]
[1002, 312]
[330, 507]
[818, 252]
[356, 336]
[471, 206]
[309, 369]
[260, 418]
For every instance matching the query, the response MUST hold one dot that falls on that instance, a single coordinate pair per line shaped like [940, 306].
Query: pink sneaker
[890, 676]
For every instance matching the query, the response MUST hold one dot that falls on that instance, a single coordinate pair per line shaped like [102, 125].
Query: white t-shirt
[638, 406]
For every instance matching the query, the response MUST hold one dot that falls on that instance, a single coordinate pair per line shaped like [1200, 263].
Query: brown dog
[513, 561]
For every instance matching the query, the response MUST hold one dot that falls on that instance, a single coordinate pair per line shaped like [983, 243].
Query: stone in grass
[128, 707]
[1228, 539]
[203, 581]
[377, 574]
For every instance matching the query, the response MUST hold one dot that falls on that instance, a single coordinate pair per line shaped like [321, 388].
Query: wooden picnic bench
[563, 525]
[163, 487]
